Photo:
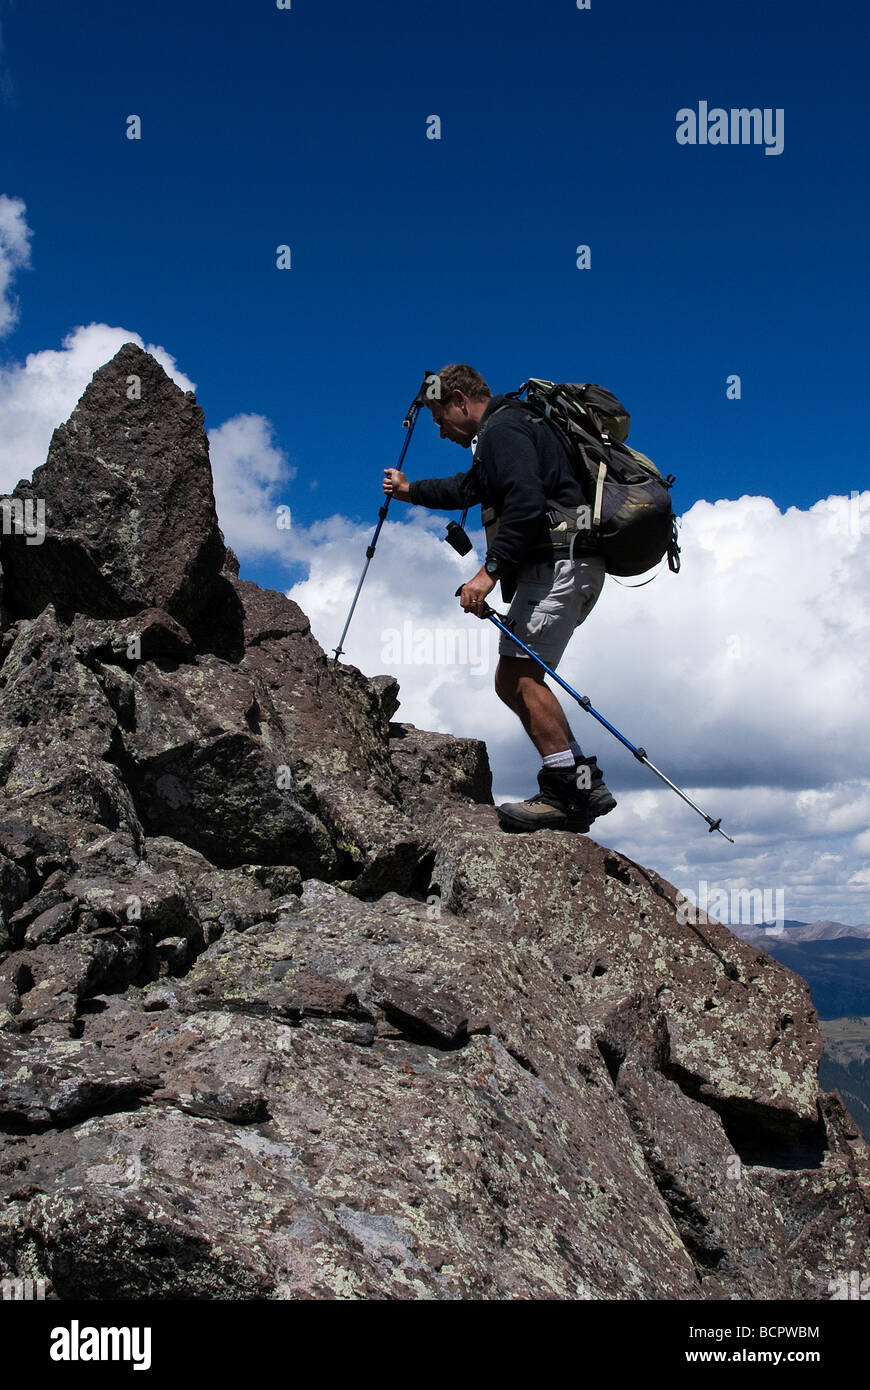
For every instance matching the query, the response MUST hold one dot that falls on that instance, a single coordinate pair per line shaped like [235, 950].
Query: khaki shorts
[549, 603]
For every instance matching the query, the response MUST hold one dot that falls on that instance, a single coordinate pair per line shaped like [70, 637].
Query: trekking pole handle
[418, 401]
[486, 611]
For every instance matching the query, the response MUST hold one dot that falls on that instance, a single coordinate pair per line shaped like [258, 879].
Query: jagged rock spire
[129, 506]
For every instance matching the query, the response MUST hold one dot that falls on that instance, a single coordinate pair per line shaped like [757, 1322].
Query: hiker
[529, 495]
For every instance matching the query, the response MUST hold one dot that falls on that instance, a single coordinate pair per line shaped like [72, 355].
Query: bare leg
[519, 682]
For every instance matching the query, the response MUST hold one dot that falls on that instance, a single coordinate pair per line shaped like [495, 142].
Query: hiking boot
[598, 798]
[557, 806]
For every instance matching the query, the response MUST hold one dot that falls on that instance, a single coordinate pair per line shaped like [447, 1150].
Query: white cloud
[39, 394]
[14, 256]
[249, 473]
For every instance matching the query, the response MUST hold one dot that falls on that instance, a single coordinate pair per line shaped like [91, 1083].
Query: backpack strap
[599, 494]
[642, 583]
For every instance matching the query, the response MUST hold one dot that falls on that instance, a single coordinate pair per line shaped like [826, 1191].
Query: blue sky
[307, 127]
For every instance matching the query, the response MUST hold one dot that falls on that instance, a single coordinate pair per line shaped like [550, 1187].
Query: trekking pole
[639, 753]
[408, 424]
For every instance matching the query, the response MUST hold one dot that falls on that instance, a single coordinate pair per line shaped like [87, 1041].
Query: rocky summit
[285, 1015]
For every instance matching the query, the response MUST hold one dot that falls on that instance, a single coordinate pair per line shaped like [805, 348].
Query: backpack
[632, 521]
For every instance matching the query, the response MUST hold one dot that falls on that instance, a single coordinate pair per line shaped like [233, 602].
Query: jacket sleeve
[446, 494]
[515, 487]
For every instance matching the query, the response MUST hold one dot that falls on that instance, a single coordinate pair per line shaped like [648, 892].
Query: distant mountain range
[799, 931]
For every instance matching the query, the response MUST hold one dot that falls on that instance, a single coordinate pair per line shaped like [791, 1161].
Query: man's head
[457, 397]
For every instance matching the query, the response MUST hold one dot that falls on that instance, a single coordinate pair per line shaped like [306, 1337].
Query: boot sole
[516, 823]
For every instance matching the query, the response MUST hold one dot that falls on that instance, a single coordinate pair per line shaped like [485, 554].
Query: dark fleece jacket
[519, 468]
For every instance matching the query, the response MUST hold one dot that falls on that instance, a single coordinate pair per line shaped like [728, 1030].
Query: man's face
[454, 420]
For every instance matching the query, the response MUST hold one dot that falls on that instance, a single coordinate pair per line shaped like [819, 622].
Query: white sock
[564, 759]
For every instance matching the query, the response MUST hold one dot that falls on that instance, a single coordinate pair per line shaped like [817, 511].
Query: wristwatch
[491, 568]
